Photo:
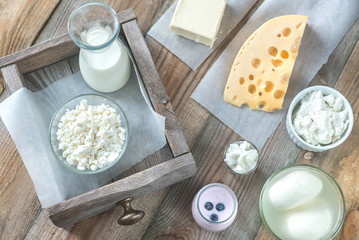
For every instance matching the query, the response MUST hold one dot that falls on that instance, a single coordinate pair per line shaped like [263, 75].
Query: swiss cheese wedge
[260, 73]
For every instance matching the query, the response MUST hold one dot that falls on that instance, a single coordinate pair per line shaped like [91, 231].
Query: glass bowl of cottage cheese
[89, 134]
[319, 118]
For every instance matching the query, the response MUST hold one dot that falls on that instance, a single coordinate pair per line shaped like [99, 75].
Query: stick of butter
[198, 20]
[261, 71]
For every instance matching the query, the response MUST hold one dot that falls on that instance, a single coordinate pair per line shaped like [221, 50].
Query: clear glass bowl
[92, 99]
[341, 214]
[239, 142]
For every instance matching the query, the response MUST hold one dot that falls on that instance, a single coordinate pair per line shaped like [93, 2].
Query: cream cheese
[241, 158]
[320, 119]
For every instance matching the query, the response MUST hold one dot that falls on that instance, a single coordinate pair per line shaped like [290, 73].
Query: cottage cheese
[241, 158]
[320, 119]
[91, 137]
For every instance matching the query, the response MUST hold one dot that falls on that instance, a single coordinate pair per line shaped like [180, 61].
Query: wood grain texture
[150, 11]
[13, 77]
[91, 203]
[199, 129]
[351, 226]
[17, 194]
[21, 22]
[157, 93]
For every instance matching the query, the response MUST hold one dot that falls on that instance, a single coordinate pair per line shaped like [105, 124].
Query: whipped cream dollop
[241, 157]
[320, 119]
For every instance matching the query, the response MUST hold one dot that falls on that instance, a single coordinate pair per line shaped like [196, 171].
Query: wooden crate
[157, 174]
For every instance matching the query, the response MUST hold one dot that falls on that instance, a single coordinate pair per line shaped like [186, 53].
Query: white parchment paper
[191, 52]
[328, 21]
[27, 116]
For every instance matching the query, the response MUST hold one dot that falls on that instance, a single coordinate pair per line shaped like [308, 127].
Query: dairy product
[107, 69]
[300, 223]
[320, 119]
[198, 20]
[295, 189]
[91, 137]
[241, 157]
[319, 218]
[214, 207]
[261, 70]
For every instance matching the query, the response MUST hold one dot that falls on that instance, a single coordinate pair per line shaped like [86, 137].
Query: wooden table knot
[308, 155]
[323, 81]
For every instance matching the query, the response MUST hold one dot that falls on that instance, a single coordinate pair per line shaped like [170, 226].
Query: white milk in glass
[106, 69]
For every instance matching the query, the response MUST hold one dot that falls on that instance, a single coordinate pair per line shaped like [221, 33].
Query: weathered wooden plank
[17, 194]
[13, 77]
[154, 87]
[150, 11]
[89, 204]
[21, 21]
[42, 55]
[351, 225]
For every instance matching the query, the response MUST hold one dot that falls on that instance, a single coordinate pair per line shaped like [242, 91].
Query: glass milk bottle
[104, 63]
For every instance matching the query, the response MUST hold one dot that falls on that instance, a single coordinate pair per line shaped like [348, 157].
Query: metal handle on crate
[130, 216]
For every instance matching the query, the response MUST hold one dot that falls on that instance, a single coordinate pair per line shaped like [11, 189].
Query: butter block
[261, 70]
[198, 20]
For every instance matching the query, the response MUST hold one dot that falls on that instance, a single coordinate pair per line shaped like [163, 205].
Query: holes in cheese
[278, 94]
[277, 62]
[284, 54]
[256, 62]
[241, 81]
[299, 25]
[273, 51]
[286, 32]
[264, 64]
[252, 88]
[261, 104]
[269, 86]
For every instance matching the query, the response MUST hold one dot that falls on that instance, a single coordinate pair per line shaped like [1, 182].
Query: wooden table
[168, 215]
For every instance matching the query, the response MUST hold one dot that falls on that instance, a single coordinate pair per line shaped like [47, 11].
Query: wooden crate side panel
[51, 51]
[155, 88]
[13, 77]
[89, 204]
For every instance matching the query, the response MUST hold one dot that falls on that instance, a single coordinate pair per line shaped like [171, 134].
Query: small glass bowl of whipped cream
[319, 118]
[241, 157]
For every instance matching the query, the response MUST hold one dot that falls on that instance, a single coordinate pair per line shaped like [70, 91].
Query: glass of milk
[104, 63]
[214, 207]
[302, 202]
